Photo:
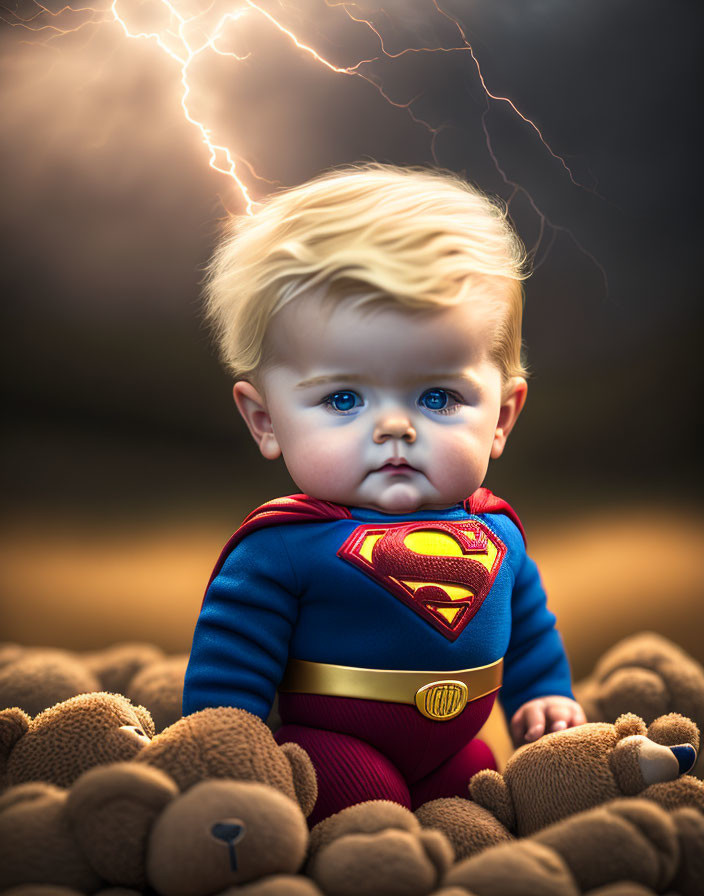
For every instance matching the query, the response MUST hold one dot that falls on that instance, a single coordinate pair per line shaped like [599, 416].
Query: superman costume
[343, 608]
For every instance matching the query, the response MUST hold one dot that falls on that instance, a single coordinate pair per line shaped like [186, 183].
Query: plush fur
[62, 742]
[648, 675]
[231, 743]
[36, 842]
[35, 679]
[625, 840]
[128, 826]
[159, 686]
[596, 810]
[568, 772]
[116, 666]
[377, 848]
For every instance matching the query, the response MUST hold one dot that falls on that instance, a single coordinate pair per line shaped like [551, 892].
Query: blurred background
[125, 465]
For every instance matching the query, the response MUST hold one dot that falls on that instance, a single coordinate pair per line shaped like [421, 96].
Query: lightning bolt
[175, 41]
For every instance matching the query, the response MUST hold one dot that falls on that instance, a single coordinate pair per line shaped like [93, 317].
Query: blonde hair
[373, 233]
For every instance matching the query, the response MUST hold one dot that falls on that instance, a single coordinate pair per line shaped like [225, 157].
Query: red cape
[304, 509]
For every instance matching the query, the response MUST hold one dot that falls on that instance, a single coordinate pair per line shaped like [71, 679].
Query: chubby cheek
[321, 464]
[459, 465]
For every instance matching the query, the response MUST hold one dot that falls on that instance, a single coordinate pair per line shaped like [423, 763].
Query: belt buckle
[442, 700]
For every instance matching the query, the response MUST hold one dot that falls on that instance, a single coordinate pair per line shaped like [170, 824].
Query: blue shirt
[285, 591]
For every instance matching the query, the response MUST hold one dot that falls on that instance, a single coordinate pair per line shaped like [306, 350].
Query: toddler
[372, 321]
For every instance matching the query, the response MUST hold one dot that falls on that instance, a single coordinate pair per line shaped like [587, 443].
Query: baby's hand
[545, 714]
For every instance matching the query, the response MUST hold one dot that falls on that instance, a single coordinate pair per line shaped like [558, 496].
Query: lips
[396, 465]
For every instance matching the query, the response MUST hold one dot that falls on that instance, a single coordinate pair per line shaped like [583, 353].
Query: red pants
[368, 750]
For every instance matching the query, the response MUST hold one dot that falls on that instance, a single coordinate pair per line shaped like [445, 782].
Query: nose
[230, 831]
[394, 426]
[686, 756]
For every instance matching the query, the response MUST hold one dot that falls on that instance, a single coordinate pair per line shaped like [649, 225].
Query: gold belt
[438, 695]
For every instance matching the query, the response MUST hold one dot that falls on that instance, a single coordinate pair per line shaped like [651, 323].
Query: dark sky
[109, 212]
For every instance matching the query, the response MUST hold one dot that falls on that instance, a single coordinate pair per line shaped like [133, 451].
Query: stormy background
[125, 466]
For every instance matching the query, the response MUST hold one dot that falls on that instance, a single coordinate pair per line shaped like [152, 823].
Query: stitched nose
[230, 832]
[686, 756]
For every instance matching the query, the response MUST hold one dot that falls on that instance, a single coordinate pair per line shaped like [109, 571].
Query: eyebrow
[326, 379]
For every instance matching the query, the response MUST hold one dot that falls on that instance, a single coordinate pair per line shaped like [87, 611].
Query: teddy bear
[136, 828]
[36, 678]
[566, 772]
[648, 675]
[37, 845]
[376, 848]
[689, 879]
[65, 740]
[159, 687]
[513, 869]
[226, 742]
[116, 666]
[625, 840]
[128, 826]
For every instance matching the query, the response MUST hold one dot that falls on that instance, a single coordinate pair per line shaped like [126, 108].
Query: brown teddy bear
[143, 673]
[36, 678]
[514, 869]
[62, 742]
[137, 830]
[37, 845]
[689, 879]
[127, 825]
[225, 742]
[648, 675]
[116, 666]
[566, 772]
[625, 840]
[377, 848]
[159, 687]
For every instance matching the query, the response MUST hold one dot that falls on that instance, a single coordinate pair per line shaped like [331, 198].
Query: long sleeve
[535, 663]
[241, 640]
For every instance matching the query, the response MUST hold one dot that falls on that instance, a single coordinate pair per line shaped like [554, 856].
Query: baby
[372, 320]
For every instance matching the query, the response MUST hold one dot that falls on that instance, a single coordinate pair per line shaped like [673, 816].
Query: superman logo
[441, 570]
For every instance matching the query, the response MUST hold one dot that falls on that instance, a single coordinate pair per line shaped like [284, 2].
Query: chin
[400, 499]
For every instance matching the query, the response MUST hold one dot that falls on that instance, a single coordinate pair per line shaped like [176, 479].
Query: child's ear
[252, 407]
[514, 397]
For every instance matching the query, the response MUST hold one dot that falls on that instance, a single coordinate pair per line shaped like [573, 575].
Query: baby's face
[387, 409]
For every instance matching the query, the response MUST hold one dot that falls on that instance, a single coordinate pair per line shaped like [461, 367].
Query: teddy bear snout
[136, 731]
[230, 831]
[660, 763]
[637, 762]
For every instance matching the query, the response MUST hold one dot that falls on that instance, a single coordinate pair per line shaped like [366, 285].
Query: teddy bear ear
[14, 724]
[111, 810]
[145, 717]
[629, 724]
[304, 781]
[490, 790]
[673, 729]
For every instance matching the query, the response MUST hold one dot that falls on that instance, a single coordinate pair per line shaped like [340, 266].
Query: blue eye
[434, 399]
[344, 402]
